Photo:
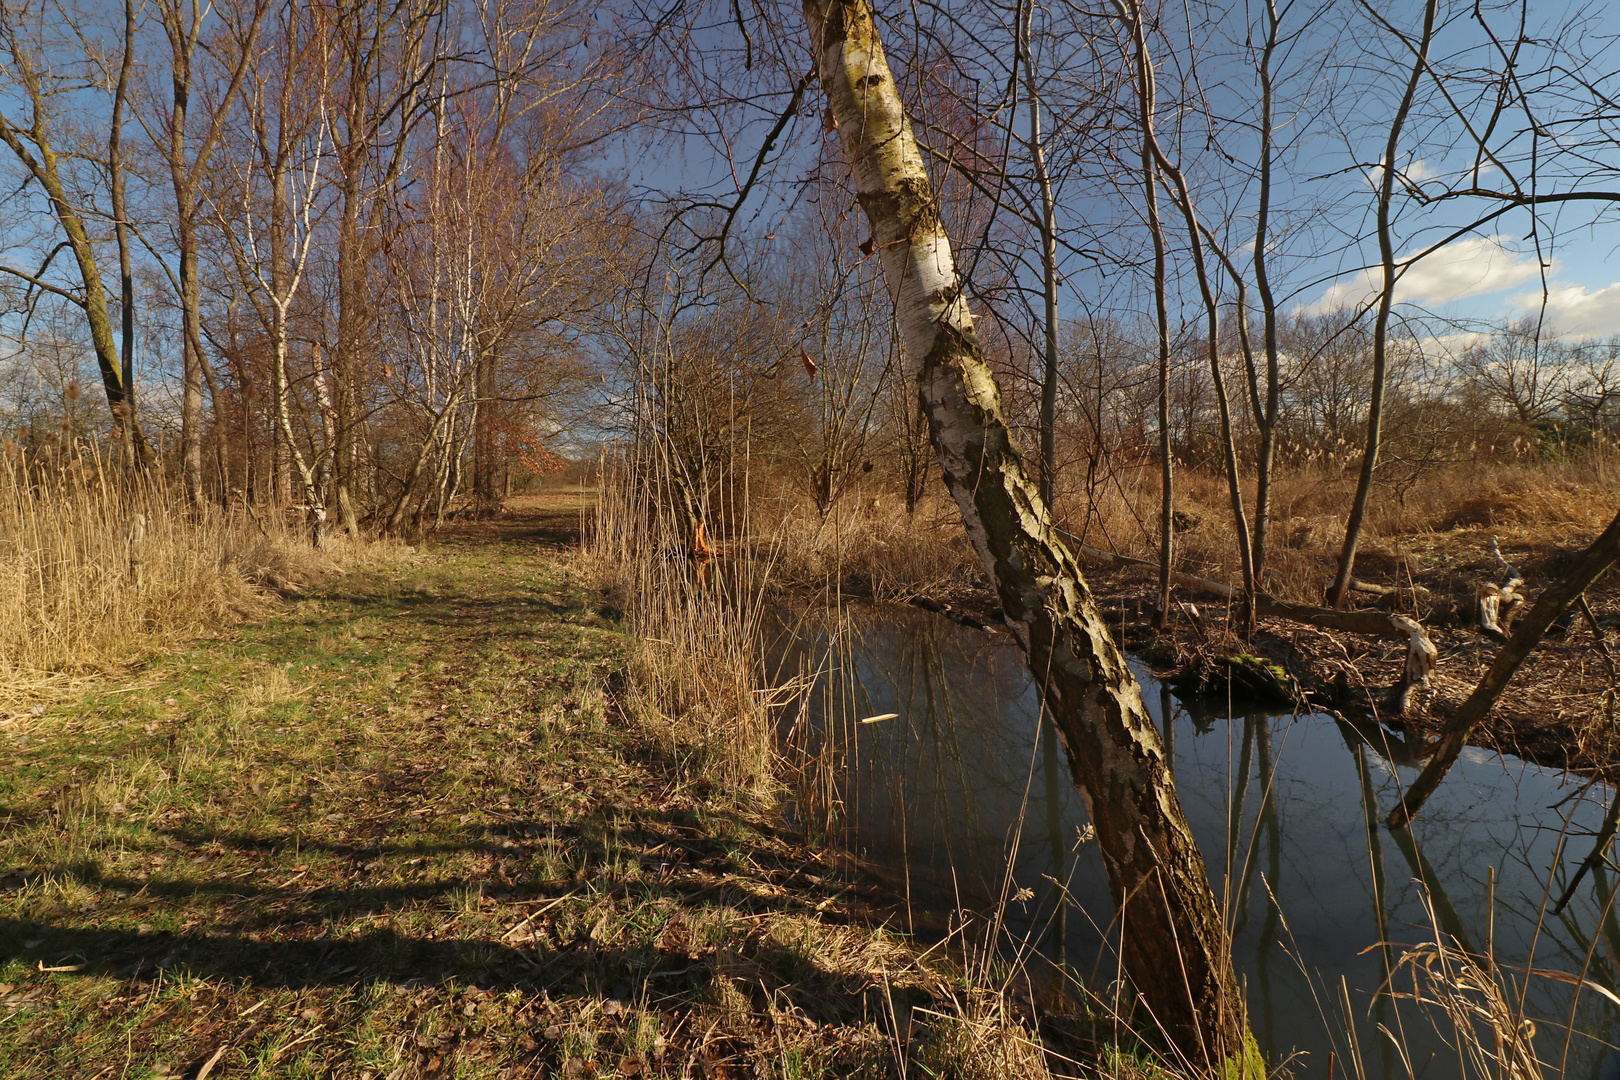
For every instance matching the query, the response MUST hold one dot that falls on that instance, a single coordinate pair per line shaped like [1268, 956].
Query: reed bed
[96, 569]
[696, 684]
[874, 550]
[1528, 502]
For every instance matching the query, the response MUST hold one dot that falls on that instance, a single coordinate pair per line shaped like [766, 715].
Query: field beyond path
[400, 829]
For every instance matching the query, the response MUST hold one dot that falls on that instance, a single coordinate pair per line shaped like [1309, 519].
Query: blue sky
[1324, 207]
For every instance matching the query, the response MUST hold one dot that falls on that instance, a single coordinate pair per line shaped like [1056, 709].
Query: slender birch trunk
[1043, 181]
[1146, 97]
[1265, 417]
[1195, 239]
[1339, 591]
[1173, 946]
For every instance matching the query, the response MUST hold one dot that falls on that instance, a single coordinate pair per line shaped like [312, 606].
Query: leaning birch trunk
[1173, 945]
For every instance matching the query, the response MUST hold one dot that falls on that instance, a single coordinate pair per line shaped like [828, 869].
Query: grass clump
[96, 569]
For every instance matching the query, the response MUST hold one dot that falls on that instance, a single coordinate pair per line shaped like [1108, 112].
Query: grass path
[400, 829]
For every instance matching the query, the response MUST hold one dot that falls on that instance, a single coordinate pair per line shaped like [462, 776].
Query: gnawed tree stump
[1497, 603]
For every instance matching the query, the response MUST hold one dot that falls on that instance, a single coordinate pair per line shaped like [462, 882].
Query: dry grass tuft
[695, 686]
[96, 569]
[979, 1039]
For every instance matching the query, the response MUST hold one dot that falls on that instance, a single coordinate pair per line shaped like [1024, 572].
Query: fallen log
[1421, 654]
[1192, 581]
[1554, 600]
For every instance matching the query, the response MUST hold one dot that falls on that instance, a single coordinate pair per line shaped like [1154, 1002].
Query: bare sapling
[1339, 591]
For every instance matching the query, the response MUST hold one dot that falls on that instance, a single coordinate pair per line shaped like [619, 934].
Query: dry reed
[1518, 498]
[878, 551]
[96, 569]
[695, 683]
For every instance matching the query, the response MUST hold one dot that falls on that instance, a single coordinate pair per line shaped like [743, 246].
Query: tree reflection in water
[963, 798]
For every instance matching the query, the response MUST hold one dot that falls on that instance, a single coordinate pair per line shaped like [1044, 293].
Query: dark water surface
[965, 797]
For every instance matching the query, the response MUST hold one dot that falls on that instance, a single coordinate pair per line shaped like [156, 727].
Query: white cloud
[1414, 172]
[1419, 171]
[1577, 310]
[1472, 267]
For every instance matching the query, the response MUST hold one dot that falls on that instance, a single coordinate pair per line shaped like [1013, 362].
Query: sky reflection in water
[934, 799]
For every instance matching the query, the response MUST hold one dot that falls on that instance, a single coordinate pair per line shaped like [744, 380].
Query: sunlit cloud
[1576, 310]
[1415, 172]
[1473, 267]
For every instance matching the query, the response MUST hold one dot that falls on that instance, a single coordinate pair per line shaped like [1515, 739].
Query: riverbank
[1559, 711]
[402, 828]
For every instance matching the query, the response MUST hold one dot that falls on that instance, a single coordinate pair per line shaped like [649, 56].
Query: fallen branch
[1420, 651]
[1192, 581]
[1552, 602]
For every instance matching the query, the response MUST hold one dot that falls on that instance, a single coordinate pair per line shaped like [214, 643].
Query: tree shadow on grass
[384, 956]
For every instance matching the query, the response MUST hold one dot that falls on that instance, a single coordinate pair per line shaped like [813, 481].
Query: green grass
[402, 829]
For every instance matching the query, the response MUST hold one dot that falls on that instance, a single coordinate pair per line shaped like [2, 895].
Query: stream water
[964, 797]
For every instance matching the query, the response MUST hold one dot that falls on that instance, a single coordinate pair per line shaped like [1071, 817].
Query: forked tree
[40, 145]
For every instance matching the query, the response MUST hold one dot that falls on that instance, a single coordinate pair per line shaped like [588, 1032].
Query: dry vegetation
[1441, 520]
[880, 552]
[442, 817]
[422, 823]
[1427, 536]
[1430, 540]
[693, 682]
[96, 570]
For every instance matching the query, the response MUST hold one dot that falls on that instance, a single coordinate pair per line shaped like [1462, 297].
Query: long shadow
[381, 955]
[634, 854]
[264, 932]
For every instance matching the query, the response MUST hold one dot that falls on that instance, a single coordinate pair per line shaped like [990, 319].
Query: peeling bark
[1174, 948]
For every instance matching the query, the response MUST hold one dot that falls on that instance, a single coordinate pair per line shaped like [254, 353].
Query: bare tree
[188, 163]
[1594, 384]
[1173, 944]
[1146, 118]
[1519, 367]
[35, 143]
[269, 220]
[1339, 591]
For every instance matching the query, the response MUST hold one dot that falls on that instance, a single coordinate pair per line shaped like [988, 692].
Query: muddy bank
[1558, 711]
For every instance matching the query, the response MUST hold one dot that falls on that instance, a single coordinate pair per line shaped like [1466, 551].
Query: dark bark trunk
[486, 439]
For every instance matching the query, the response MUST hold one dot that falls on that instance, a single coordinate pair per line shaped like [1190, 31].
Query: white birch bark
[1173, 945]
